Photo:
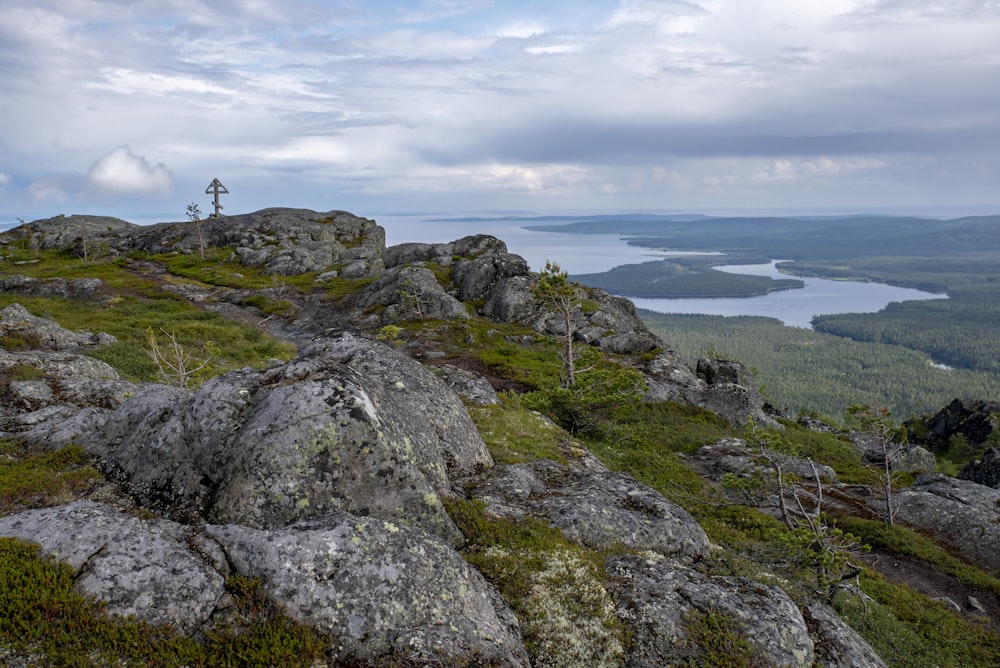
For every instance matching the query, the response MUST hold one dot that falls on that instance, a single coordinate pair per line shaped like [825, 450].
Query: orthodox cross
[216, 188]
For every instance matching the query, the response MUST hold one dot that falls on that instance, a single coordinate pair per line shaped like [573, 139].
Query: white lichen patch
[568, 615]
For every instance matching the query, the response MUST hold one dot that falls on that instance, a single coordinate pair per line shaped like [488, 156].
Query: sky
[131, 107]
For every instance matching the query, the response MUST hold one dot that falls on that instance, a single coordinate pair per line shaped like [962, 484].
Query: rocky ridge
[324, 476]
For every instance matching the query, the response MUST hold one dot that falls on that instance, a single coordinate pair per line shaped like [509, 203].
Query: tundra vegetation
[554, 585]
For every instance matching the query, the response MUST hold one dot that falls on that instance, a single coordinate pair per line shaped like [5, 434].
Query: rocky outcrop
[662, 601]
[836, 643]
[960, 513]
[140, 568]
[351, 424]
[409, 293]
[595, 507]
[17, 324]
[974, 421]
[381, 591]
[378, 591]
[985, 470]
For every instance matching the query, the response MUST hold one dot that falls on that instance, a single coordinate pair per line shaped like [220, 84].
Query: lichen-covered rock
[382, 591]
[595, 507]
[469, 385]
[351, 424]
[137, 568]
[65, 231]
[411, 293]
[837, 645]
[42, 333]
[961, 514]
[660, 599]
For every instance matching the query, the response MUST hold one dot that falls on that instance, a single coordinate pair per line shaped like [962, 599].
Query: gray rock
[411, 293]
[985, 470]
[351, 424]
[837, 644]
[469, 385]
[477, 277]
[595, 507]
[381, 590]
[279, 241]
[41, 333]
[961, 514]
[65, 231]
[659, 598]
[138, 568]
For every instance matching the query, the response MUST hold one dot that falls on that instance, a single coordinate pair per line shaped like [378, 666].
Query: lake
[592, 253]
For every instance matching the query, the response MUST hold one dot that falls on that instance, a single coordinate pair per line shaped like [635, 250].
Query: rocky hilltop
[343, 478]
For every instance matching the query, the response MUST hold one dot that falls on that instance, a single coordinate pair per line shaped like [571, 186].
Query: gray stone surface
[351, 424]
[962, 514]
[45, 334]
[139, 568]
[597, 508]
[837, 644]
[380, 590]
[659, 598]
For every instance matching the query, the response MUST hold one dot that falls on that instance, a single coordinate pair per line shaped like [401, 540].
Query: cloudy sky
[131, 107]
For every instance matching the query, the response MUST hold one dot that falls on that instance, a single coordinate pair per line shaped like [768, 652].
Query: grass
[46, 618]
[32, 478]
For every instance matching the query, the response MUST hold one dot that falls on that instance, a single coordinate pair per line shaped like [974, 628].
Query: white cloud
[47, 191]
[123, 173]
[4, 180]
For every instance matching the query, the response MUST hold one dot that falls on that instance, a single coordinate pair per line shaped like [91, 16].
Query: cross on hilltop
[216, 188]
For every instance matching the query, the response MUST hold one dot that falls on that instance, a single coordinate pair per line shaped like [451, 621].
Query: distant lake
[795, 308]
[593, 253]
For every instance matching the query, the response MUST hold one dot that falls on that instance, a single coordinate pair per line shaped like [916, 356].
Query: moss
[44, 616]
[514, 434]
[554, 586]
[714, 638]
[31, 479]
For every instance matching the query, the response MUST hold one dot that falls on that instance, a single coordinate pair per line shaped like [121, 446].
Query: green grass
[515, 434]
[910, 630]
[43, 615]
[554, 586]
[31, 478]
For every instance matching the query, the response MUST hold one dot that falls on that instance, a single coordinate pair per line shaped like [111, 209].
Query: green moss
[43, 615]
[910, 630]
[30, 478]
[514, 434]
[717, 639]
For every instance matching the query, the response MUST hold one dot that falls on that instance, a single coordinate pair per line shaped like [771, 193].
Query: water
[592, 253]
[795, 308]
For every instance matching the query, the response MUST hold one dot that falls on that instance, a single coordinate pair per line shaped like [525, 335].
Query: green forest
[912, 357]
[803, 370]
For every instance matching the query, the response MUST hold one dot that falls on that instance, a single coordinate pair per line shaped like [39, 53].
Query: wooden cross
[216, 188]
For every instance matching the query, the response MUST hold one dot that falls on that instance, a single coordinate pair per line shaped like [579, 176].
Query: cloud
[123, 173]
[4, 180]
[45, 190]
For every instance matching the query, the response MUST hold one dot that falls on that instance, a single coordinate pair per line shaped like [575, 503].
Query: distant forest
[890, 361]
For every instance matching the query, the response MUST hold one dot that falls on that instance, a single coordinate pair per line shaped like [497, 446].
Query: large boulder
[18, 324]
[382, 591]
[663, 601]
[985, 470]
[136, 568]
[351, 424]
[961, 514]
[974, 421]
[411, 293]
[593, 506]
